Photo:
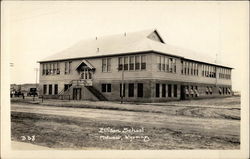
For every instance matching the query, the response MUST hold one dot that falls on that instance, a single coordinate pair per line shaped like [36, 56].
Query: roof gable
[155, 36]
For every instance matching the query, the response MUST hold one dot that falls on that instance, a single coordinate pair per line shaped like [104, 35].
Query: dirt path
[205, 126]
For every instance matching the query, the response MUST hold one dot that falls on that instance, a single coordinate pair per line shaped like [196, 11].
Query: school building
[137, 66]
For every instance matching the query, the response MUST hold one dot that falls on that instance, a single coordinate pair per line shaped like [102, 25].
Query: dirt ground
[200, 124]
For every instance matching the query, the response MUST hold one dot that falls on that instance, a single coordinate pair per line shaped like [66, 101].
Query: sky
[33, 30]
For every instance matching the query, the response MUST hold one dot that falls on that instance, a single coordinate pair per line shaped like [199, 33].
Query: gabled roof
[124, 44]
[85, 62]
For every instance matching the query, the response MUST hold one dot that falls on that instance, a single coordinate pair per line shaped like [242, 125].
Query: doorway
[77, 93]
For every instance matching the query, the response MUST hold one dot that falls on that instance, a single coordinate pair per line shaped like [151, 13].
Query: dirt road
[206, 126]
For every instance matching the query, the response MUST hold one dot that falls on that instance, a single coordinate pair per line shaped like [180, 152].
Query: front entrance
[183, 92]
[77, 93]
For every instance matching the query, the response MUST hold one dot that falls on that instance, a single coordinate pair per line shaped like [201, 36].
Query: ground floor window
[175, 90]
[196, 91]
[131, 90]
[192, 91]
[157, 90]
[50, 89]
[169, 90]
[207, 90]
[55, 89]
[163, 90]
[140, 90]
[106, 87]
[44, 89]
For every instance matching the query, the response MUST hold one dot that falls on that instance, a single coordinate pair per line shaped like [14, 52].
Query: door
[77, 93]
[183, 92]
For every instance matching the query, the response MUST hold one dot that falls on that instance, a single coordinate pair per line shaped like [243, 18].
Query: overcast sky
[34, 30]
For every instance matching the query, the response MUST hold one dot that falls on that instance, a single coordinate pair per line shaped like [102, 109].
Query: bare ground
[168, 125]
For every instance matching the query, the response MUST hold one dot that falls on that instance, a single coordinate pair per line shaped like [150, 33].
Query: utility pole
[36, 69]
[122, 94]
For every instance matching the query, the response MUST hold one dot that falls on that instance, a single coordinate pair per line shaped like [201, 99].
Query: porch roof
[86, 63]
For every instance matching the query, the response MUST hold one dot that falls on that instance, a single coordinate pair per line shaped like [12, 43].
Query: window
[196, 68]
[131, 63]
[162, 63]
[191, 68]
[163, 90]
[125, 63]
[51, 68]
[169, 90]
[104, 65]
[109, 64]
[120, 63]
[174, 65]
[207, 90]
[182, 67]
[43, 67]
[185, 67]
[192, 91]
[159, 62]
[157, 90]
[58, 68]
[106, 87]
[55, 89]
[140, 90]
[103, 87]
[50, 89]
[67, 69]
[137, 62]
[175, 90]
[170, 62]
[44, 89]
[143, 62]
[131, 90]
[54, 68]
[166, 64]
[48, 69]
[122, 94]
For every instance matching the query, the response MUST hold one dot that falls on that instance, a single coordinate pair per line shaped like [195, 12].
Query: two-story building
[137, 66]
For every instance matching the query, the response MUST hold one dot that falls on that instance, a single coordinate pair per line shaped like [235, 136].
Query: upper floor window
[166, 64]
[51, 68]
[67, 67]
[126, 63]
[137, 62]
[189, 68]
[131, 63]
[120, 65]
[208, 71]
[143, 62]
[106, 65]
[224, 73]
